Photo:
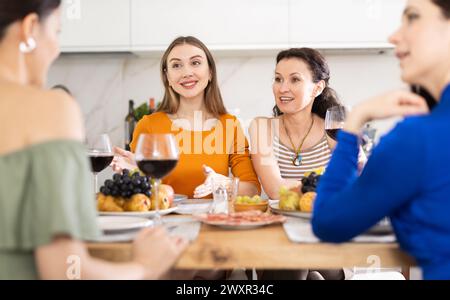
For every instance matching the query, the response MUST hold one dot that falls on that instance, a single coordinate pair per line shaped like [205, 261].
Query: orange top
[224, 146]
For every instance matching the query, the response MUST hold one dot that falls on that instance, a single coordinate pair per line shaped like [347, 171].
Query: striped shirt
[315, 157]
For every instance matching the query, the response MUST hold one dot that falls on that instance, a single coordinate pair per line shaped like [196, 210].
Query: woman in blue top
[407, 176]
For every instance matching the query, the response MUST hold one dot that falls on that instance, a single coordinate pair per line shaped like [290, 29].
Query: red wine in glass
[100, 154]
[334, 120]
[156, 155]
[332, 133]
[158, 168]
[100, 161]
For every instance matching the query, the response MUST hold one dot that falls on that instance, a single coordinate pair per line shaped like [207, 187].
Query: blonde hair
[171, 100]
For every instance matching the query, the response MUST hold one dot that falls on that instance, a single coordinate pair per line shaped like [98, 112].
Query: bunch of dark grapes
[126, 185]
[309, 184]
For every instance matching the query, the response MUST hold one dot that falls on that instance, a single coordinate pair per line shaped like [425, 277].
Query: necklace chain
[297, 158]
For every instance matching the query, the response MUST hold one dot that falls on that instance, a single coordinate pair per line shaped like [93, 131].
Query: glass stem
[158, 220]
[95, 182]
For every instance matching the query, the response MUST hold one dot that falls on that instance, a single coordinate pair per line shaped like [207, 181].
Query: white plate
[382, 227]
[274, 206]
[240, 226]
[238, 223]
[142, 214]
[179, 197]
[194, 206]
[114, 223]
[127, 236]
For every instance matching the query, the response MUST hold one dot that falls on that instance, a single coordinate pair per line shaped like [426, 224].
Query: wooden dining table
[269, 248]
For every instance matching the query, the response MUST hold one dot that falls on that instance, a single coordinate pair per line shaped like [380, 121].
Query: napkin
[300, 231]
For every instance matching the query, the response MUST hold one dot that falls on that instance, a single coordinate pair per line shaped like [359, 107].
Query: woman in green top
[46, 205]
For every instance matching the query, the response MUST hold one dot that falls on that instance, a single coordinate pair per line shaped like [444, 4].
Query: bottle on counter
[151, 106]
[130, 123]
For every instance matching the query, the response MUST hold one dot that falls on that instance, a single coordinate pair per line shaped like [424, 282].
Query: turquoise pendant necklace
[297, 159]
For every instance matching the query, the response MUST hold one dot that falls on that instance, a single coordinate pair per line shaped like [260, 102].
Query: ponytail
[328, 98]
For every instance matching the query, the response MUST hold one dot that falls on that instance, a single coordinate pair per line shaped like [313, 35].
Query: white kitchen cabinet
[231, 24]
[95, 25]
[343, 23]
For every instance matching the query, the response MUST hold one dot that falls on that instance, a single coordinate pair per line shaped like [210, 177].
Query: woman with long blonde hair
[210, 140]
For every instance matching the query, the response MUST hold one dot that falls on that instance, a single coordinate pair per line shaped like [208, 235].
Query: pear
[138, 202]
[306, 202]
[289, 201]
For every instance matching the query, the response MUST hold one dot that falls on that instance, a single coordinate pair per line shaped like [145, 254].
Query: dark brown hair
[444, 6]
[171, 100]
[429, 99]
[15, 10]
[320, 71]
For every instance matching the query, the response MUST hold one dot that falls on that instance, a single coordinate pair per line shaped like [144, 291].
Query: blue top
[406, 178]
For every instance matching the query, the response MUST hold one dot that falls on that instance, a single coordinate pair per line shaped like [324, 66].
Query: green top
[45, 190]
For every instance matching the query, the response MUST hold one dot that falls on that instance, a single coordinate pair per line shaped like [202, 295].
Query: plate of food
[246, 203]
[298, 202]
[240, 220]
[122, 223]
[275, 208]
[131, 195]
[143, 214]
[193, 206]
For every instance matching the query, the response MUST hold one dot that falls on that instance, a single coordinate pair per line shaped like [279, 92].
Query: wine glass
[100, 154]
[156, 155]
[368, 139]
[334, 120]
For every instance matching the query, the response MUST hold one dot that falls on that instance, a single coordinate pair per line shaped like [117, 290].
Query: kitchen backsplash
[103, 84]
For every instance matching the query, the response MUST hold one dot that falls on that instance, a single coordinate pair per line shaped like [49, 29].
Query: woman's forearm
[272, 190]
[356, 120]
[100, 269]
[68, 259]
[247, 189]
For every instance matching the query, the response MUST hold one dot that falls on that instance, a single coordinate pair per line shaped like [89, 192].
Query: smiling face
[422, 43]
[293, 86]
[188, 72]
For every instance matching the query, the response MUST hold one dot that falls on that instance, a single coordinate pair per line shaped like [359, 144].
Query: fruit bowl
[262, 206]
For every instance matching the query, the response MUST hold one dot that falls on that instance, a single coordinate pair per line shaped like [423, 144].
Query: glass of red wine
[334, 120]
[100, 154]
[156, 156]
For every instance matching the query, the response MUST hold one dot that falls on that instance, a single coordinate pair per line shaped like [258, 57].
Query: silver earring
[28, 46]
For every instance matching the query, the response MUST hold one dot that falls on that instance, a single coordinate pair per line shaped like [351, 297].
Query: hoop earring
[28, 46]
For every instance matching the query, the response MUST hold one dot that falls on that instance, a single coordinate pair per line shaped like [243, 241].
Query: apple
[166, 195]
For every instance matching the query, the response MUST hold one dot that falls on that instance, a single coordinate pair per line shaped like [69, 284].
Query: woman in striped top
[294, 140]
[312, 158]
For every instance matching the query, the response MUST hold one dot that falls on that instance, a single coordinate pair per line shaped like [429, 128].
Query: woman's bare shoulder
[63, 112]
[263, 120]
[44, 116]
[52, 114]
[263, 128]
